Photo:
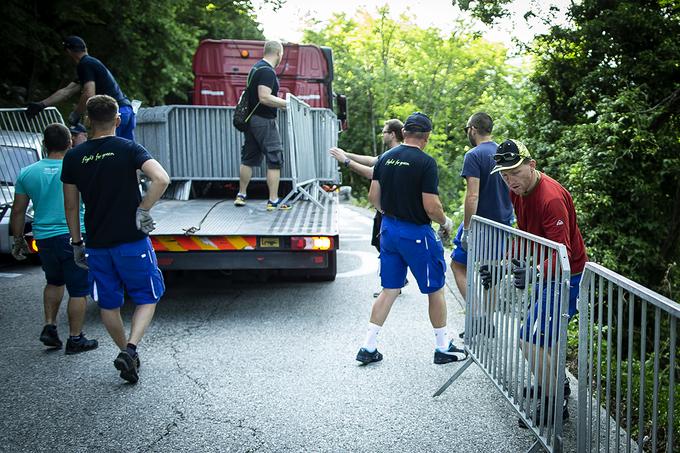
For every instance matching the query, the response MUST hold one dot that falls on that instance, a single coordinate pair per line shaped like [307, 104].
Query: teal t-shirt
[41, 181]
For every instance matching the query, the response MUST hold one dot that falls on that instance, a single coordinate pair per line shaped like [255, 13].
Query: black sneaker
[539, 414]
[82, 345]
[49, 336]
[449, 355]
[366, 357]
[127, 367]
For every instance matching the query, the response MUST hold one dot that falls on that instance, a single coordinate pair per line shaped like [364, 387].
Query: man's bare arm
[341, 156]
[62, 94]
[374, 195]
[17, 218]
[471, 200]
[89, 90]
[433, 208]
[264, 94]
[159, 182]
[72, 210]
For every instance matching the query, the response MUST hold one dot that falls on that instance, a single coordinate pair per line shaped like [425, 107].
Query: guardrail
[503, 324]
[628, 396]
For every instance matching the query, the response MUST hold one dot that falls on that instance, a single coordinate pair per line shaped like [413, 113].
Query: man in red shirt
[544, 208]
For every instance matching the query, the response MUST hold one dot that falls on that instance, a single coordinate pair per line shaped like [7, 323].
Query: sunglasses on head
[501, 158]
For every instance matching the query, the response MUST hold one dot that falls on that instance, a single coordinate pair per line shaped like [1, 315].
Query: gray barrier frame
[601, 292]
[493, 322]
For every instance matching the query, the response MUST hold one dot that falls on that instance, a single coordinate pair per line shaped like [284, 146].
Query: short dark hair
[416, 135]
[102, 110]
[482, 122]
[394, 125]
[56, 138]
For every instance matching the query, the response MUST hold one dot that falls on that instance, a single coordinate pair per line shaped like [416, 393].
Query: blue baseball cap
[418, 122]
[78, 129]
[74, 43]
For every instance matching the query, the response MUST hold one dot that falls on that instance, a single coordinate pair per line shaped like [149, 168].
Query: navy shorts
[262, 139]
[56, 255]
[130, 267]
[548, 308]
[128, 121]
[407, 245]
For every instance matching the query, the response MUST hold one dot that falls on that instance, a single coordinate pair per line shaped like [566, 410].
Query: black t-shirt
[90, 69]
[405, 173]
[105, 172]
[264, 75]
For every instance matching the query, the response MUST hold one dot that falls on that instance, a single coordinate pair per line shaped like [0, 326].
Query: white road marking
[369, 264]
[8, 275]
[355, 237]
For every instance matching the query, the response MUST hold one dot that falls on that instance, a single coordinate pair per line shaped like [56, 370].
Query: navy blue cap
[78, 129]
[418, 122]
[74, 43]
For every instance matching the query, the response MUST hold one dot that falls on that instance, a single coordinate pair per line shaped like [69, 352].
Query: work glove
[464, 238]
[20, 248]
[485, 275]
[79, 256]
[445, 228]
[33, 108]
[144, 221]
[519, 274]
[74, 118]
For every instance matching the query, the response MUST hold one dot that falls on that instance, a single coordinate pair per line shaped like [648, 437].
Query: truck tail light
[311, 243]
[34, 245]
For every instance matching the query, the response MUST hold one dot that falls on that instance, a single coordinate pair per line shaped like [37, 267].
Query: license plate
[270, 243]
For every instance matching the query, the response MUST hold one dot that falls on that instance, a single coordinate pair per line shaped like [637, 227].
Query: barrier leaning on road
[626, 370]
[500, 323]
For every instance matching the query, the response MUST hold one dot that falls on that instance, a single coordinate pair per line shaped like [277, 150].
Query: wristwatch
[79, 243]
[347, 161]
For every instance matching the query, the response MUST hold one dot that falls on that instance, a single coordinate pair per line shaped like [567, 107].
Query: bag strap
[250, 76]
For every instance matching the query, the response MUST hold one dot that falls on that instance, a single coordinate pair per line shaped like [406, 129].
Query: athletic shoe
[240, 200]
[49, 336]
[82, 345]
[127, 367]
[448, 356]
[366, 357]
[539, 413]
[272, 205]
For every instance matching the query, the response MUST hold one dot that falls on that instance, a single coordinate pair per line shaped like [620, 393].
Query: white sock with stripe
[441, 339]
[371, 341]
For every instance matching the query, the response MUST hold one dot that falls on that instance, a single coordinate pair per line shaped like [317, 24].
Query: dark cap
[78, 129]
[418, 122]
[74, 43]
[510, 154]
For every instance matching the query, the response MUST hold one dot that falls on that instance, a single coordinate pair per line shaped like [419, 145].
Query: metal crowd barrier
[200, 143]
[628, 396]
[501, 319]
[20, 145]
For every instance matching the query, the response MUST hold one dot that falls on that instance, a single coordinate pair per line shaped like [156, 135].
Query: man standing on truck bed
[262, 137]
[92, 78]
[40, 182]
[118, 251]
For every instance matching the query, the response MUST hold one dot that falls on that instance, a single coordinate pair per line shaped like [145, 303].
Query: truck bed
[211, 217]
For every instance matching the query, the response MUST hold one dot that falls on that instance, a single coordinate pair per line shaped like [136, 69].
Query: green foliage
[390, 68]
[148, 46]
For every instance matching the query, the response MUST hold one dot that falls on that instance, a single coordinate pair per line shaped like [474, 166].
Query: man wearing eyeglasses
[546, 209]
[92, 78]
[485, 193]
[405, 188]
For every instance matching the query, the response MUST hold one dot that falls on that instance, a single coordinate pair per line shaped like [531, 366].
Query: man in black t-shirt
[262, 137]
[92, 78]
[405, 189]
[103, 171]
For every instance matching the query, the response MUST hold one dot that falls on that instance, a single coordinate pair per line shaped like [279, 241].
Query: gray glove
[79, 256]
[485, 275]
[464, 238]
[144, 221]
[74, 118]
[519, 274]
[20, 248]
[33, 109]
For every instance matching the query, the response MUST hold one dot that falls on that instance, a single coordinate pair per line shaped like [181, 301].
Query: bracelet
[347, 161]
[79, 243]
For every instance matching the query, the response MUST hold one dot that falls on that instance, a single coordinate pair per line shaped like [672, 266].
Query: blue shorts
[460, 256]
[128, 121]
[407, 245]
[132, 267]
[56, 256]
[537, 327]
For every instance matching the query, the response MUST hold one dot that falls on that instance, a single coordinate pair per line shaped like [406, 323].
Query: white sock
[441, 339]
[371, 341]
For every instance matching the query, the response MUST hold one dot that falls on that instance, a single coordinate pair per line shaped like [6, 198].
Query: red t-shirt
[548, 211]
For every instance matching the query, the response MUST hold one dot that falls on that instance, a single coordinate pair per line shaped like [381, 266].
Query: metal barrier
[503, 323]
[200, 143]
[21, 145]
[628, 399]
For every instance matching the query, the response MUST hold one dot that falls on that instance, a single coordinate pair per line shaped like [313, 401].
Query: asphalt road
[237, 365]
